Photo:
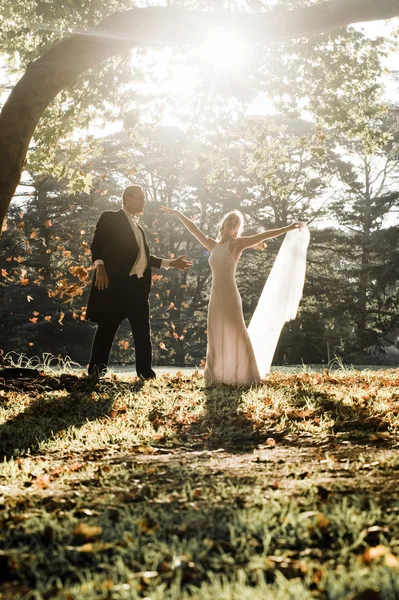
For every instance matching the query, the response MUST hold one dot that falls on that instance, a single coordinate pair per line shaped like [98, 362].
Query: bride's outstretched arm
[209, 243]
[252, 240]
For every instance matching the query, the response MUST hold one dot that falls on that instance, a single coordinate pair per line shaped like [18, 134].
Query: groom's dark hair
[131, 190]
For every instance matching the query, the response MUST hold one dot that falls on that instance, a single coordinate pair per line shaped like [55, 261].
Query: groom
[122, 282]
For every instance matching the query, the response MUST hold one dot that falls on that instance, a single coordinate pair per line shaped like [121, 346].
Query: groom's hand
[181, 262]
[102, 280]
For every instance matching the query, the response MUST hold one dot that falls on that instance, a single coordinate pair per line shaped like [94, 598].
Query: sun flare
[225, 51]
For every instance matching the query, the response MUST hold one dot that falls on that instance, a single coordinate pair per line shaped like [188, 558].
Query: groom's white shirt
[141, 261]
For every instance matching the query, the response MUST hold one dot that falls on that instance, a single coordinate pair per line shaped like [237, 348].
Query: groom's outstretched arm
[180, 262]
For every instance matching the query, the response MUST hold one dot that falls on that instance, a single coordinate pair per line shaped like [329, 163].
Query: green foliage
[45, 270]
[190, 135]
[335, 77]
[362, 207]
[44, 263]
[30, 27]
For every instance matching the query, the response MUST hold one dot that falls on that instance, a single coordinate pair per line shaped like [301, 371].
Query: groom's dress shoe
[151, 375]
[97, 370]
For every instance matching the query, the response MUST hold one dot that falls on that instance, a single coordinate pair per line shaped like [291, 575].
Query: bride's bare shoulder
[235, 247]
[210, 243]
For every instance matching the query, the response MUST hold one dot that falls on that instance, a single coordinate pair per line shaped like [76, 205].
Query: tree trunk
[57, 68]
[361, 325]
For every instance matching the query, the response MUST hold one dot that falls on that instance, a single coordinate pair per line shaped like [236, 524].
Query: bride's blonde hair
[240, 227]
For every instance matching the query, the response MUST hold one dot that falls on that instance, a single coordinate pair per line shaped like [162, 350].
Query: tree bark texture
[58, 67]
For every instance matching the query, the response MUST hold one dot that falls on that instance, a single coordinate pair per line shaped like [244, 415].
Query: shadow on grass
[187, 543]
[175, 523]
[57, 404]
[224, 423]
[355, 419]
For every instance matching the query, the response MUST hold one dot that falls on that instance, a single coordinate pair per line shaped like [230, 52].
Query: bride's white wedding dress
[236, 355]
[229, 357]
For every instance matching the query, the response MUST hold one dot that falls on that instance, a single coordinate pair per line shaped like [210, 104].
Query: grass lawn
[172, 490]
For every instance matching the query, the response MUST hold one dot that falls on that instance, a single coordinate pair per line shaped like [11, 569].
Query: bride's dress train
[280, 297]
[235, 354]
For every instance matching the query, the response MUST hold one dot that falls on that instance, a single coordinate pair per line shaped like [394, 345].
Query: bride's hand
[296, 225]
[260, 246]
[172, 211]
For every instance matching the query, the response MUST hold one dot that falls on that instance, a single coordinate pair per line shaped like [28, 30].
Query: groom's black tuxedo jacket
[115, 243]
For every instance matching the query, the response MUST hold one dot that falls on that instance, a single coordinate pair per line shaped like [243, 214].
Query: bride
[230, 356]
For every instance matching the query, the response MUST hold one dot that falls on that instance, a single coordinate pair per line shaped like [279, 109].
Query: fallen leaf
[391, 560]
[86, 547]
[42, 481]
[372, 553]
[88, 532]
[147, 527]
[322, 522]
[146, 450]
[380, 435]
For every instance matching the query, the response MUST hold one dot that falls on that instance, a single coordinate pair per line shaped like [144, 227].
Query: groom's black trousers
[130, 301]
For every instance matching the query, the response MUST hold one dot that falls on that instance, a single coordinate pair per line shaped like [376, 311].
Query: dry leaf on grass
[376, 552]
[322, 522]
[380, 436]
[42, 481]
[146, 450]
[88, 532]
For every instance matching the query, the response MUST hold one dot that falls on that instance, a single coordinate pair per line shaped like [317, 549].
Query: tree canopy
[108, 33]
[297, 128]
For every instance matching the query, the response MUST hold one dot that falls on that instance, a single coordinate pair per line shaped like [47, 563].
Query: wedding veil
[280, 297]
